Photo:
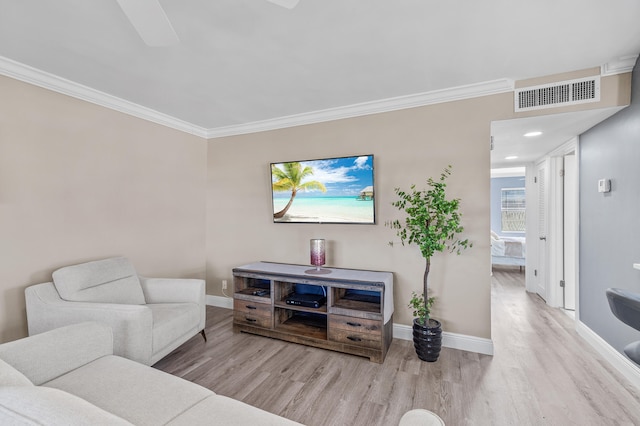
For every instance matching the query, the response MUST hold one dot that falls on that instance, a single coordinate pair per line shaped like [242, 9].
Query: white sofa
[150, 317]
[69, 376]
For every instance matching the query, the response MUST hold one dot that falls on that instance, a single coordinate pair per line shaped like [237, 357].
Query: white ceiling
[245, 61]
[557, 129]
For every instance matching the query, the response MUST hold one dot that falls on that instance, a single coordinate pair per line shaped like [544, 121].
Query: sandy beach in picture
[326, 210]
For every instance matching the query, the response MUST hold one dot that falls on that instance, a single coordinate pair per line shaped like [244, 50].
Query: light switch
[604, 185]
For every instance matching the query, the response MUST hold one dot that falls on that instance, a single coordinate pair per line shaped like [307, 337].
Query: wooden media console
[354, 315]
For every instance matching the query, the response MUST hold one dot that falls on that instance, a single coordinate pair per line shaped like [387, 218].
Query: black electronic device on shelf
[305, 300]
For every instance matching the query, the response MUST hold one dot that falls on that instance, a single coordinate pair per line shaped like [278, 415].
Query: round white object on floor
[420, 417]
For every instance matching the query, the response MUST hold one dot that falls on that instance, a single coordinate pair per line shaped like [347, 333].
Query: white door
[540, 271]
[570, 215]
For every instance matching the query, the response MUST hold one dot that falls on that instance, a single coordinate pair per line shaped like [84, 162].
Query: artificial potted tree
[433, 224]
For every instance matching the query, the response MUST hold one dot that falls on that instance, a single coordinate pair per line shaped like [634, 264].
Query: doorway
[554, 233]
[508, 217]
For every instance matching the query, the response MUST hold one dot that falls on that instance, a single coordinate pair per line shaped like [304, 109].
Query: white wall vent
[570, 92]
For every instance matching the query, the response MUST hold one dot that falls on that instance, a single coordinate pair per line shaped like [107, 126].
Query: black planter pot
[427, 339]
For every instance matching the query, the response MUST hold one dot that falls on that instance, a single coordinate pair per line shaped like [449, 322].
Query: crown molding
[368, 108]
[28, 74]
[620, 65]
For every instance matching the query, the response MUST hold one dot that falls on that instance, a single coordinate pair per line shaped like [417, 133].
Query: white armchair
[150, 317]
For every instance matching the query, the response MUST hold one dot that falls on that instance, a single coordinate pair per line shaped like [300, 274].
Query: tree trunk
[425, 282]
[425, 285]
[282, 212]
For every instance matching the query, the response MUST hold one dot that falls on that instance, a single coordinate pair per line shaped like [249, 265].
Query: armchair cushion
[108, 281]
[170, 320]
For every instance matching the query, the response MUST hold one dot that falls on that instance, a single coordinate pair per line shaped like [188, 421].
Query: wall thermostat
[604, 185]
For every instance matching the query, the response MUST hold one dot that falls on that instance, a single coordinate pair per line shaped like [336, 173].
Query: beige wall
[80, 182]
[409, 146]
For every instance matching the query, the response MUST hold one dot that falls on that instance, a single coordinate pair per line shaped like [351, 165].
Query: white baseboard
[625, 366]
[219, 301]
[450, 340]
[400, 331]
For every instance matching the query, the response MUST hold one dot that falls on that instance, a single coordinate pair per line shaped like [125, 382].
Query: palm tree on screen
[290, 179]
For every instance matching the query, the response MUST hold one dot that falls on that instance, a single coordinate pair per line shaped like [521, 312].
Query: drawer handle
[250, 319]
[354, 324]
[354, 339]
[251, 307]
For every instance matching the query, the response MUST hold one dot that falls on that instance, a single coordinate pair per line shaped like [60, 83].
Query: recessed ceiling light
[289, 4]
[511, 157]
[532, 134]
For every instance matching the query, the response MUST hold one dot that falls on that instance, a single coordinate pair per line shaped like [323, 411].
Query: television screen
[331, 190]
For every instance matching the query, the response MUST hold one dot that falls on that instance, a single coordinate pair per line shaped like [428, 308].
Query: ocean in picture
[326, 209]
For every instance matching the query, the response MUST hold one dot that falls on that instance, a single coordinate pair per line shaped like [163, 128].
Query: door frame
[570, 230]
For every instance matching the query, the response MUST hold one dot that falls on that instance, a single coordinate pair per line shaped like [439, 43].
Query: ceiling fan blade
[289, 4]
[149, 19]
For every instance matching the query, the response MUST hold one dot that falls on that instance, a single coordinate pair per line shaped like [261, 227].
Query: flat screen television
[329, 190]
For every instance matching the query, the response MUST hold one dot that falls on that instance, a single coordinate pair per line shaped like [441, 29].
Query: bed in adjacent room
[507, 250]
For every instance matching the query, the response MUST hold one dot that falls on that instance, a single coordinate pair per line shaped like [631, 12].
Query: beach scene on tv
[332, 190]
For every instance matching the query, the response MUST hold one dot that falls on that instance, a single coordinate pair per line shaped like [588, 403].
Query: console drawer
[355, 331]
[250, 319]
[253, 308]
[354, 338]
[252, 313]
[359, 325]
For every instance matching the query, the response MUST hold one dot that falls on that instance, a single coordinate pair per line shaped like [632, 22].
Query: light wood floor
[542, 373]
